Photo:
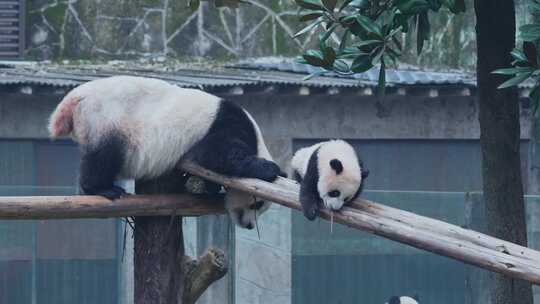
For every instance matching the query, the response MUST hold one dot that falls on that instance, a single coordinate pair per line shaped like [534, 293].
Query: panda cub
[330, 175]
[141, 128]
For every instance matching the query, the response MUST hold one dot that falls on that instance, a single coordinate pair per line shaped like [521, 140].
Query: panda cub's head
[403, 300]
[340, 174]
[330, 175]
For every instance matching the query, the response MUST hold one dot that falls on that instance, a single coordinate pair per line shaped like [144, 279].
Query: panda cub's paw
[113, 193]
[267, 170]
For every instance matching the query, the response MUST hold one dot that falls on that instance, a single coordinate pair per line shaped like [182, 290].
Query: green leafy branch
[369, 31]
[525, 61]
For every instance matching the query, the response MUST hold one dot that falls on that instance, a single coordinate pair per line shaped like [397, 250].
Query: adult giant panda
[140, 128]
[330, 174]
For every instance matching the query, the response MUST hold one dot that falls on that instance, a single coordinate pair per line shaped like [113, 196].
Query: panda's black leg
[99, 167]
[310, 198]
[240, 162]
[235, 158]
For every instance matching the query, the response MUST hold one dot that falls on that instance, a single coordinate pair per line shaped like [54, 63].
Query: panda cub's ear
[336, 165]
[365, 173]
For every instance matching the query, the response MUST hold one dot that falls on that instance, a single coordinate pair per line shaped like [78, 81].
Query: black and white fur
[140, 128]
[330, 175]
[403, 300]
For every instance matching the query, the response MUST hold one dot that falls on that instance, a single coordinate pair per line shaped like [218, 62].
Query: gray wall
[263, 266]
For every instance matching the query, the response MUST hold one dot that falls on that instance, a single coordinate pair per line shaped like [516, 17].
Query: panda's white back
[160, 121]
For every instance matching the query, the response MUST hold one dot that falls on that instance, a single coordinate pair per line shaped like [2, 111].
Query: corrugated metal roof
[245, 73]
[393, 76]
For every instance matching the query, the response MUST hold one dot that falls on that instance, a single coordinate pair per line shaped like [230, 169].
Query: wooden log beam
[405, 227]
[421, 232]
[63, 207]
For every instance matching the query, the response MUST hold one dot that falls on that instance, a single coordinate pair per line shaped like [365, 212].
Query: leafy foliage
[368, 31]
[525, 61]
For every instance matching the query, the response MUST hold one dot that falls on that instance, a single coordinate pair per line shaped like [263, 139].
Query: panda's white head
[402, 300]
[341, 175]
[244, 209]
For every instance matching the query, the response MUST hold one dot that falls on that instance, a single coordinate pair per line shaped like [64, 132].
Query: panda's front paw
[113, 193]
[267, 171]
[311, 213]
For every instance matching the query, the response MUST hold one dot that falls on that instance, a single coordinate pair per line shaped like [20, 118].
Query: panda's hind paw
[113, 193]
[267, 171]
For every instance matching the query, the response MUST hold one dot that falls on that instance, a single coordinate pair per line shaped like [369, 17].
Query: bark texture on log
[421, 232]
[63, 207]
[159, 249]
[499, 139]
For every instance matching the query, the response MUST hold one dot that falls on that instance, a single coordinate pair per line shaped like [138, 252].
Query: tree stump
[163, 274]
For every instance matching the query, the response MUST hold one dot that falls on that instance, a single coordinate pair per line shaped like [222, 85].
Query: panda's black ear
[336, 165]
[365, 173]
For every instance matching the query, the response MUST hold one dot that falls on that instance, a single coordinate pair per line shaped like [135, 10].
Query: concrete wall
[92, 29]
[262, 272]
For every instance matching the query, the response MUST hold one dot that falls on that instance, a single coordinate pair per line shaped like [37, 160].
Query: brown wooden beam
[63, 207]
[445, 239]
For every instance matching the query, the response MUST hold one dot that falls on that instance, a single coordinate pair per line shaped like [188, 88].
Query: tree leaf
[330, 5]
[314, 57]
[324, 36]
[519, 78]
[310, 16]
[344, 4]
[513, 71]
[318, 73]
[360, 4]
[369, 25]
[367, 43]
[529, 49]
[341, 66]
[402, 21]
[361, 64]
[378, 55]
[411, 7]
[329, 55]
[310, 4]
[343, 41]
[535, 6]
[307, 28]
[529, 32]
[518, 55]
[435, 5]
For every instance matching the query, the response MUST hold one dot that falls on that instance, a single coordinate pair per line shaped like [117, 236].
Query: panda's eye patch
[258, 205]
[334, 193]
